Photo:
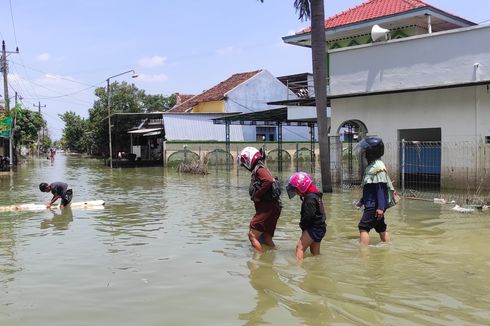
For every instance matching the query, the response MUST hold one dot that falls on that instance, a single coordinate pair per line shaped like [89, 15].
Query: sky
[67, 48]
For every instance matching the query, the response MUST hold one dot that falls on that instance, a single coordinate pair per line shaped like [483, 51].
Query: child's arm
[381, 199]
[309, 212]
[265, 183]
[51, 202]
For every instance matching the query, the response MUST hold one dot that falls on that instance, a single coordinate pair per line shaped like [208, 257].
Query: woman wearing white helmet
[267, 203]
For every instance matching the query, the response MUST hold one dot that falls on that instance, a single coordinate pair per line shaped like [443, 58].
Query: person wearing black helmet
[59, 190]
[374, 190]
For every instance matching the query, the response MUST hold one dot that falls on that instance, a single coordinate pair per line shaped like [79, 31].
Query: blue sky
[69, 47]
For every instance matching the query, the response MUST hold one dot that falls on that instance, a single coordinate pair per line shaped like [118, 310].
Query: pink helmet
[249, 156]
[299, 181]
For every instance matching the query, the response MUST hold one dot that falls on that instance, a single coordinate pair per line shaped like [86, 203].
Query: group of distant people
[375, 199]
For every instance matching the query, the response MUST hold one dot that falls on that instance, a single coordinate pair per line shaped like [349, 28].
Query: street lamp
[134, 75]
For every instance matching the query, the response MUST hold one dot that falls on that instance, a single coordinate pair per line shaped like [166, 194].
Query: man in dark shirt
[59, 190]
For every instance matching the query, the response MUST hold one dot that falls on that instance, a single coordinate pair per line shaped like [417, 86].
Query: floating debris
[460, 209]
[193, 167]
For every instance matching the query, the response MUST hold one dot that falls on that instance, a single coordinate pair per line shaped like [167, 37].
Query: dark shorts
[317, 234]
[67, 198]
[370, 221]
[266, 216]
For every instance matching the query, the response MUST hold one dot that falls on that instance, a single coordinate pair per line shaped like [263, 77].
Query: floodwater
[172, 249]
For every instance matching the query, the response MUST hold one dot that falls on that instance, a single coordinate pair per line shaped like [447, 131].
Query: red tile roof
[216, 93]
[181, 98]
[370, 10]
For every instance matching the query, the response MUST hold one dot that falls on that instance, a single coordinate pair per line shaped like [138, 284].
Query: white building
[241, 93]
[432, 84]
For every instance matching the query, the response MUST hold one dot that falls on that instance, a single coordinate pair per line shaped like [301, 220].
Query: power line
[13, 24]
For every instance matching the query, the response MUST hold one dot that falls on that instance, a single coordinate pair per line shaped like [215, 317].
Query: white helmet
[249, 156]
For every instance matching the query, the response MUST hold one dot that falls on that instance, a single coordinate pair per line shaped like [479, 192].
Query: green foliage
[125, 98]
[156, 103]
[75, 132]
[28, 124]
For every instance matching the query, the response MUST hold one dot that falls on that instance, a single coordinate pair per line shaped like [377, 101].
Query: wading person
[312, 222]
[375, 197]
[266, 200]
[59, 190]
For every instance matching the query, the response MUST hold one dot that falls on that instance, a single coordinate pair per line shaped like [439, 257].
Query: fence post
[403, 167]
[297, 157]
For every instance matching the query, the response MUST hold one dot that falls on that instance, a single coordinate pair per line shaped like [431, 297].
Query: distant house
[241, 93]
[429, 80]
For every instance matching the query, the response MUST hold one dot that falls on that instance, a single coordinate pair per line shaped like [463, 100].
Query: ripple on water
[173, 249]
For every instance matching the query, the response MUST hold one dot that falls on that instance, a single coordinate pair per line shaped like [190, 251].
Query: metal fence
[457, 171]
[452, 171]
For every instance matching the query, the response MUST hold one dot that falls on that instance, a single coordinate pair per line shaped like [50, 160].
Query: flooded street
[172, 249]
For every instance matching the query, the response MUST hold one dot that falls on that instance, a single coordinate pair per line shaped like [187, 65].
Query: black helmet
[372, 146]
[43, 186]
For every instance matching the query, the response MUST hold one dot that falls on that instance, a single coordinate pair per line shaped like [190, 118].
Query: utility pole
[4, 68]
[39, 106]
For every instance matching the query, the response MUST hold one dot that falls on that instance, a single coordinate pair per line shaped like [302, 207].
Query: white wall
[254, 94]
[463, 114]
[195, 126]
[436, 59]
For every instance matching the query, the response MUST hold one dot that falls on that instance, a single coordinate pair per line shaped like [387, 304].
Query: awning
[143, 131]
[153, 133]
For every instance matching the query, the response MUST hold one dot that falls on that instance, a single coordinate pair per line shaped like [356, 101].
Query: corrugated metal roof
[193, 126]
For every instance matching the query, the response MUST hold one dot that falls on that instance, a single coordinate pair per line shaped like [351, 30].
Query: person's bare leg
[303, 243]
[364, 238]
[268, 240]
[254, 236]
[315, 248]
[384, 236]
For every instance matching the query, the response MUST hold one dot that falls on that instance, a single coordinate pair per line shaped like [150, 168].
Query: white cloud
[156, 78]
[150, 62]
[43, 57]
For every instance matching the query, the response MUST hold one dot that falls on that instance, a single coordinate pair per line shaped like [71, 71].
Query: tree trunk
[318, 48]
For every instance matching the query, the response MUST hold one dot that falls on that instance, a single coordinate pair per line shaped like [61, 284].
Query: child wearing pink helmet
[312, 223]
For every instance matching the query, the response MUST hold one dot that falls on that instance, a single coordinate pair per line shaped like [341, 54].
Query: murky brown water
[172, 249]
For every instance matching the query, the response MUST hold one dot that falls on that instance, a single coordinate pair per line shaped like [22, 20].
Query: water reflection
[271, 289]
[173, 249]
[60, 220]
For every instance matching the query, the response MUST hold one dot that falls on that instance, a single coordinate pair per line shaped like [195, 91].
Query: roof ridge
[217, 91]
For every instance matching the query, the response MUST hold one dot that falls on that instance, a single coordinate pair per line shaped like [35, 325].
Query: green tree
[125, 98]
[314, 10]
[74, 132]
[28, 125]
[155, 103]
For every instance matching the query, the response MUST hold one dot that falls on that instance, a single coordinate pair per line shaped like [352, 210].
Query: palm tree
[314, 10]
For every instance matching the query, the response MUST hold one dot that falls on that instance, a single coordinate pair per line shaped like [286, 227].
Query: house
[241, 93]
[428, 82]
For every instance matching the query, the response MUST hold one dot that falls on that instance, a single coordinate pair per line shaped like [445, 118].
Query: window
[265, 134]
